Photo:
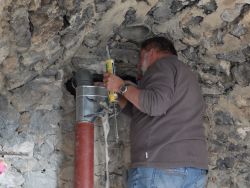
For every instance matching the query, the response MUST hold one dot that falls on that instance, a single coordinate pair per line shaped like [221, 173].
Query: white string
[106, 128]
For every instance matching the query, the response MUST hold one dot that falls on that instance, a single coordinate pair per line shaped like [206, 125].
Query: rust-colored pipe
[84, 155]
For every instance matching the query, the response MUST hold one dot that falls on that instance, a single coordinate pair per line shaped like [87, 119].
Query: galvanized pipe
[88, 100]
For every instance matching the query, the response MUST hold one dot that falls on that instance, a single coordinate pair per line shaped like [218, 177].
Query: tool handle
[110, 68]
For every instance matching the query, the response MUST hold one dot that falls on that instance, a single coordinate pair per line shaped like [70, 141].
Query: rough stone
[67, 173]
[38, 94]
[178, 6]
[44, 122]
[47, 31]
[21, 27]
[69, 4]
[230, 15]
[45, 179]
[34, 5]
[162, 11]
[4, 50]
[225, 163]
[233, 56]
[24, 148]
[241, 74]
[103, 5]
[195, 21]
[24, 122]
[26, 165]
[125, 55]
[135, 33]
[20, 79]
[246, 52]
[208, 7]
[91, 40]
[11, 179]
[239, 30]
[130, 16]
[32, 57]
[223, 118]
[225, 67]
[3, 103]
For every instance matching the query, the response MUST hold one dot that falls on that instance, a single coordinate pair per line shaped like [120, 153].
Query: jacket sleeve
[128, 109]
[155, 98]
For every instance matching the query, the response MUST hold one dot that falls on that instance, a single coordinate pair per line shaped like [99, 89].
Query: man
[168, 145]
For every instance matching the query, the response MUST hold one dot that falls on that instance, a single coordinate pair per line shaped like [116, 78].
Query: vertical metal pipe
[88, 100]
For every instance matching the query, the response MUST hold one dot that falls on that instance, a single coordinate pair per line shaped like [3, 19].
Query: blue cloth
[167, 178]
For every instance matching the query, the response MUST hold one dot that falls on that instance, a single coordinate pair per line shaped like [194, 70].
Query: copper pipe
[84, 155]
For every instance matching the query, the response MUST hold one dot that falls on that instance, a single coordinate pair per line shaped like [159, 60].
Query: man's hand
[112, 82]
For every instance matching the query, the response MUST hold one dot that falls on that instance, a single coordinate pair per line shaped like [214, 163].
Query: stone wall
[42, 42]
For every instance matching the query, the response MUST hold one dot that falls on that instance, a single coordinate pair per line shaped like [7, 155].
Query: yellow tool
[110, 68]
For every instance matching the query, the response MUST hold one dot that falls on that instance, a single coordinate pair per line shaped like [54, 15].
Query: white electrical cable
[106, 128]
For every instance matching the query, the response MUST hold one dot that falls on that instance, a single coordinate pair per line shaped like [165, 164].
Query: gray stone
[223, 118]
[21, 27]
[211, 91]
[225, 163]
[70, 39]
[162, 11]
[239, 30]
[103, 5]
[45, 179]
[208, 7]
[67, 173]
[11, 178]
[233, 56]
[91, 40]
[19, 146]
[86, 15]
[25, 165]
[229, 15]
[195, 21]
[191, 53]
[218, 36]
[34, 5]
[241, 74]
[20, 80]
[125, 55]
[39, 94]
[225, 67]
[44, 122]
[2, 81]
[4, 49]
[130, 16]
[70, 4]
[246, 52]
[32, 57]
[234, 147]
[136, 33]
[178, 6]
[92, 64]
[54, 50]
[4, 103]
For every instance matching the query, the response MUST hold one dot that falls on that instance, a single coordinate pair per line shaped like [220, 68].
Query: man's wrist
[123, 88]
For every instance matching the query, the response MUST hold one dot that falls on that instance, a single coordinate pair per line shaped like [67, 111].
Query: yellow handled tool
[111, 69]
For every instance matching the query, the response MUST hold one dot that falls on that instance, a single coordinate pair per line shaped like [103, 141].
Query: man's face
[144, 62]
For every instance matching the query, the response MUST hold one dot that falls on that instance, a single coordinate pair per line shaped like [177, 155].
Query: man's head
[153, 49]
